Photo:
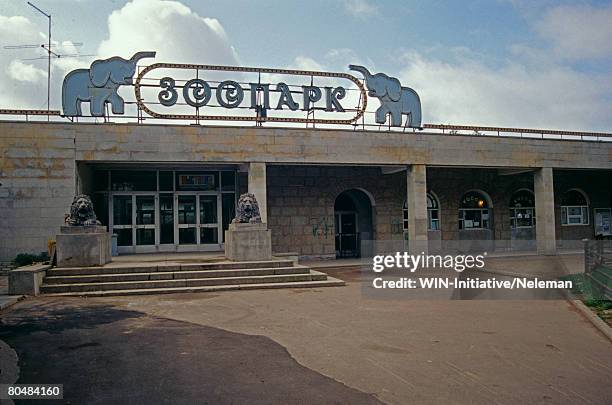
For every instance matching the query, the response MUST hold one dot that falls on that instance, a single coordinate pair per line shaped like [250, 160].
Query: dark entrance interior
[353, 222]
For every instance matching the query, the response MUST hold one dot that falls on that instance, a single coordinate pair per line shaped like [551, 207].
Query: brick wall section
[37, 173]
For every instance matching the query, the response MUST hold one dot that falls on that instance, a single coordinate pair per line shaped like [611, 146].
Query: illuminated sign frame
[142, 104]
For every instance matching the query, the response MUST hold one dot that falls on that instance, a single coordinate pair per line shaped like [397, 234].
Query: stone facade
[301, 201]
[37, 177]
[301, 205]
[304, 169]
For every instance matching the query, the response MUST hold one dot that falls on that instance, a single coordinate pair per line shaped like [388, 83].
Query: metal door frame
[338, 232]
[134, 248]
[198, 245]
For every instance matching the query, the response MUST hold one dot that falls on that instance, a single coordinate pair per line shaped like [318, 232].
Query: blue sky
[508, 62]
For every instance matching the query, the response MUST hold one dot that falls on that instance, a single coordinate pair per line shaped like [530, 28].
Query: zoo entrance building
[173, 188]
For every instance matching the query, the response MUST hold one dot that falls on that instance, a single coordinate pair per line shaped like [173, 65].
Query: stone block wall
[301, 205]
[37, 177]
[301, 202]
[38, 174]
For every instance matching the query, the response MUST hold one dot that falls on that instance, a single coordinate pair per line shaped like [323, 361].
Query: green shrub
[25, 259]
[600, 305]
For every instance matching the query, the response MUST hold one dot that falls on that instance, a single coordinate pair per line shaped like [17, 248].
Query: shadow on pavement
[103, 354]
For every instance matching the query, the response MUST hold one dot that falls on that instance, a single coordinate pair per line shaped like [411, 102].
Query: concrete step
[329, 282]
[122, 268]
[178, 283]
[103, 277]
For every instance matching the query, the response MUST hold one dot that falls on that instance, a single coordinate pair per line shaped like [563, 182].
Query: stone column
[416, 198]
[545, 211]
[257, 186]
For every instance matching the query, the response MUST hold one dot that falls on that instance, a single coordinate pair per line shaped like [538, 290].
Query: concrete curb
[9, 300]
[592, 317]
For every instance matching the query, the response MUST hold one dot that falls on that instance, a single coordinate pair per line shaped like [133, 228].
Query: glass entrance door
[169, 210]
[122, 220]
[145, 220]
[134, 221]
[187, 220]
[198, 219]
[208, 224]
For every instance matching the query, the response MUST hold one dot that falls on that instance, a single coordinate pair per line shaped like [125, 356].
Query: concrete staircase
[167, 278]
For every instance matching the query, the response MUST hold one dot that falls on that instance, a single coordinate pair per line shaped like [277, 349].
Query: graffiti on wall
[321, 229]
[396, 226]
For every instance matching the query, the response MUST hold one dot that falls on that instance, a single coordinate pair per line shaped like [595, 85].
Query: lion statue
[247, 210]
[82, 212]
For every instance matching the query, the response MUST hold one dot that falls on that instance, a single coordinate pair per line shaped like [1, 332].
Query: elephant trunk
[139, 55]
[365, 72]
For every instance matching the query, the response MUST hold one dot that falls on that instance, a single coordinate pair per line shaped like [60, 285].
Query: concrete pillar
[257, 186]
[416, 198]
[545, 211]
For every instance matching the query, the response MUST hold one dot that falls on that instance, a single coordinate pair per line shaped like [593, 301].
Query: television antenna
[48, 49]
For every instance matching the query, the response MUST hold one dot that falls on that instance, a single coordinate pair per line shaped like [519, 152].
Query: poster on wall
[603, 222]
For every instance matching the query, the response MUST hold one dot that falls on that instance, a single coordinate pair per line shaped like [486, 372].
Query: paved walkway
[105, 354]
[220, 346]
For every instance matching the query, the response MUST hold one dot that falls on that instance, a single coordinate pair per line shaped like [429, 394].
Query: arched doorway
[353, 222]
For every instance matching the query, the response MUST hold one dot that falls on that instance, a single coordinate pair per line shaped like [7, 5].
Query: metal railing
[597, 253]
[359, 125]
[598, 268]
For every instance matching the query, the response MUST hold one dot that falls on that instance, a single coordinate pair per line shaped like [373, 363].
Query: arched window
[474, 211]
[574, 208]
[433, 213]
[522, 209]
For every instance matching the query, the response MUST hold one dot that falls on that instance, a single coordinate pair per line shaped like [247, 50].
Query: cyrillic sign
[196, 92]
[268, 100]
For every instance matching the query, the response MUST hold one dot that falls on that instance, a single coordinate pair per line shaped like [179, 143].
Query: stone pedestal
[82, 246]
[247, 242]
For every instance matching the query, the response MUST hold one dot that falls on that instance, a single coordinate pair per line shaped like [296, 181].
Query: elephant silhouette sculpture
[394, 99]
[99, 85]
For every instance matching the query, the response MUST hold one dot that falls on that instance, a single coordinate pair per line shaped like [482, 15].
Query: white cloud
[172, 29]
[306, 63]
[467, 91]
[23, 84]
[360, 8]
[25, 73]
[578, 31]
